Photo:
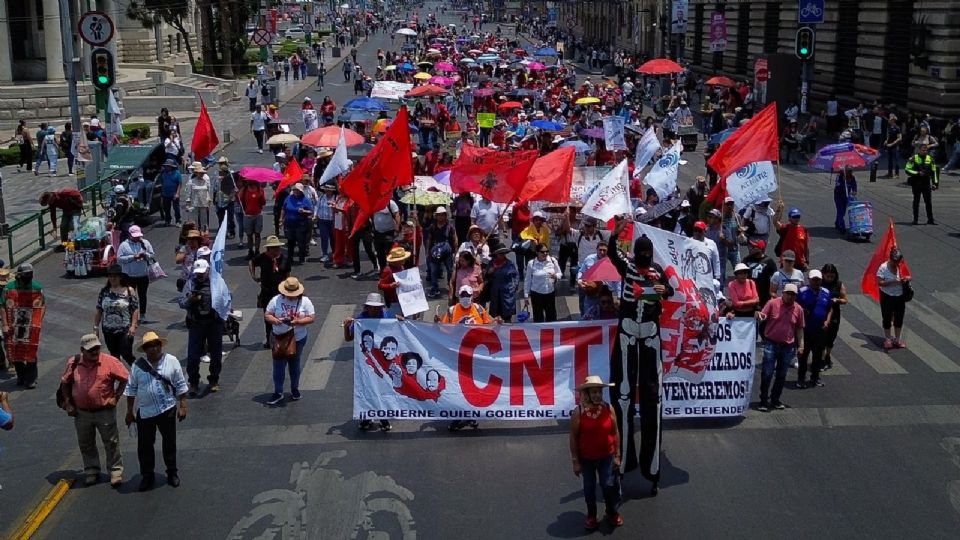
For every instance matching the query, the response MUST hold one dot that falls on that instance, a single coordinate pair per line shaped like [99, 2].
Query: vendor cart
[92, 247]
[859, 221]
[689, 137]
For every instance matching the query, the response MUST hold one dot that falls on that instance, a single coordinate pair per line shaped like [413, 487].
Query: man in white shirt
[486, 215]
[760, 215]
[699, 234]
[386, 223]
[252, 92]
[589, 291]
[258, 125]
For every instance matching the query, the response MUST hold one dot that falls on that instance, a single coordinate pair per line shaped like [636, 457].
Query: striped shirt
[153, 395]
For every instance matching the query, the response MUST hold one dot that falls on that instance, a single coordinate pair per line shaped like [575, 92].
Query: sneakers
[192, 391]
[616, 520]
[355, 276]
[295, 395]
[763, 407]
[801, 385]
[325, 258]
[116, 481]
[816, 384]
[779, 406]
[887, 344]
[214, 388]
[590, 524]
[205, 359]
[260, 150]
[385, 425]
[795, 364]
[275, 399]
[900, 344]
[313, 242]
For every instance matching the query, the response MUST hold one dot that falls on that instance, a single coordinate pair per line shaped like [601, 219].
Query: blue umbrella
[356, 115]
[366, 104]
[407, 67]
[546, 51]
[718, 138]
[546, 125]
[521, 92]
[579, 146]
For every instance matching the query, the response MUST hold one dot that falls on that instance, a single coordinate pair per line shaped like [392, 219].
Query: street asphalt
[873, 454]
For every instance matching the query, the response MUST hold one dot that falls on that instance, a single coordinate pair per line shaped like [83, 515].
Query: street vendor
[67, 200]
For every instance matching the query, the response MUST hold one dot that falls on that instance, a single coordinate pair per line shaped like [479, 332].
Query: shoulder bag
[64, 389]
[284, 345]
[907, 291]
[144, 365]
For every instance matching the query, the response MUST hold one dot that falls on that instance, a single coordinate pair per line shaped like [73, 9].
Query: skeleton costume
[635, 366]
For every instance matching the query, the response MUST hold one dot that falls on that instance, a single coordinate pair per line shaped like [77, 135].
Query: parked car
[295, 32]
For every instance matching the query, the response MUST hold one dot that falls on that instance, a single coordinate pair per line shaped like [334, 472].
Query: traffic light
[101, 69]
[805, 41]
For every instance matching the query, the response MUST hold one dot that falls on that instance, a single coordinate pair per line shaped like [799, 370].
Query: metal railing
[31, 235]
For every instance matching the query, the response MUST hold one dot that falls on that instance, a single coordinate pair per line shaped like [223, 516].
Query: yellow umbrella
[390, 68]
[587, 100]
[424, 76]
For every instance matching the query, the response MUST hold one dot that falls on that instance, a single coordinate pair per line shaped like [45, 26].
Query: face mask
[642, 260]
[465, 302]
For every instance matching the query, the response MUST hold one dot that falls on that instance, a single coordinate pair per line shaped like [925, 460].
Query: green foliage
[128, 129]
[9, 156]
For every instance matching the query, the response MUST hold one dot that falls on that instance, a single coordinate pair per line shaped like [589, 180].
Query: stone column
[53, 40]
[6, 63]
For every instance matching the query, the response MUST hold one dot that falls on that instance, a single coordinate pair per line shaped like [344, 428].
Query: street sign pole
[66, 28]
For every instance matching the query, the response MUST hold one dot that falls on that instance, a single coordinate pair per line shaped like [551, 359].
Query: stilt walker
[635, 366]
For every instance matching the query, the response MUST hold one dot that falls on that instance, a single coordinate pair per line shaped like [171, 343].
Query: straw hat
[397, 254]
[150, 337]
[324, 153]
[291, 287]
[374, 300]
[196, 166]
[272, 241]
[4, 276]
[592, 381]
[194, 233]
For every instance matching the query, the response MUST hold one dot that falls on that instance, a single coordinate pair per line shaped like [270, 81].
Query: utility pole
[67, 31]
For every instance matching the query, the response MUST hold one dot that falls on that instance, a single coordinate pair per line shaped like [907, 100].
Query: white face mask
[465, 302]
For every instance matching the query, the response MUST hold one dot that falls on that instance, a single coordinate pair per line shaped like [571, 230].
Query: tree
[173, 12]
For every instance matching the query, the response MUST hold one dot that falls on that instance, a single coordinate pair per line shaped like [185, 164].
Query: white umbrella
[468, 61]
[406, 32]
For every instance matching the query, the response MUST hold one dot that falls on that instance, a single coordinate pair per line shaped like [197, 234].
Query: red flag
[717, 194]
[550, 178]
[291, 175]
[868, 284]
[604, 270]
[757, 140]
[371, 183]
[498, 176]
[205, 138]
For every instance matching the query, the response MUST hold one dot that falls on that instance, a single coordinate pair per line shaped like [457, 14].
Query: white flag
[613, 133]
[751, 183]
[339, 164]
[220, 296]
[114, 115]
[646, 149]
[663, 176]
[610, 196]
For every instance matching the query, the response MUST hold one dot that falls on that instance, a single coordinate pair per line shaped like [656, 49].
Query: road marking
[878, 360]
[319, 363]
[837, 368]
[941, 326]
[42, 512]
[573, 306]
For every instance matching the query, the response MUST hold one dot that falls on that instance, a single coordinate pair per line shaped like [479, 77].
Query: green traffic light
[103, 79]
[804, 50]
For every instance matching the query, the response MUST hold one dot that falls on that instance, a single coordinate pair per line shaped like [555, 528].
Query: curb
[39, 514]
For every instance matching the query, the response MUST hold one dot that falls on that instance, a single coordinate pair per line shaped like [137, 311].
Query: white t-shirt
[781, 279]
[383, 221]
[485, 214]
[259, 120]
[884, 274]
[282, 307]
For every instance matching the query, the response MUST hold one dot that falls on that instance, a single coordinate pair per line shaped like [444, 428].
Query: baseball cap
[814, 274]
[727, 200]
[700, 225]
[789, 255]
[465, 289]
[200, 266]
[684, 204]
[795, 212]
[135, 232]
[298, 186]
[759, 244]
[715, 213]
[790, 287]
[441, 210]
[538, 214]
[203, 251]
[25, 268]
[89, 341]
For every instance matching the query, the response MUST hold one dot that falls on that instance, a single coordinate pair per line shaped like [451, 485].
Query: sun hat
[194, 233]
[441, 210]
[791, 288]
[741, 268]
[196, 166]
[326, 152]
[224, 159]
[89, 341]
[593, 381]
[135, 232]
[397, 254]
[148, 338]
[328, 186]
[200, 266]
[291, 287]
[501, 250]
[298, 186]
[374, 300]
[272, 241]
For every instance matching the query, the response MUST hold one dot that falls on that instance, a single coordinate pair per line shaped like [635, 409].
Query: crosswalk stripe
[837, 369]
[573, 306]
[927, 353]
[318, 364]
[879, 361]
[940, 325]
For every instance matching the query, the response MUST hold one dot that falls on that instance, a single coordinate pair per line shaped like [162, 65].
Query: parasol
[426, 198]
[355, 115]
[536, 66]
[422, 76]
[329, 136]
[358, 151]
[546, 125]
[263, 175]
[587, 100]
[596, 133]
[365, 104]
[507, 105]
[406, 32]
[720, 81]
[660, 66]
[441, 81]
[426, 90]
[835, 157]
[546, 51]
[283, 138]
[445, 66]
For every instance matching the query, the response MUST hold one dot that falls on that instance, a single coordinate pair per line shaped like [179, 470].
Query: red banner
[498, 176]
[757, 140]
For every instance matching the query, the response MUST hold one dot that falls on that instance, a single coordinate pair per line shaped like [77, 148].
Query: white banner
[421, 371]
[613, 137]
[751, 183]
[583, 179]
[647, 147]
[390, 89]
[410, 292]
[663, 176]
[610, 196]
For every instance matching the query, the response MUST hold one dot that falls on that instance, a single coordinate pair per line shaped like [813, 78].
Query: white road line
[878, 360]
[319, 363]
[940, 325]
[927, 353]
[573, 306]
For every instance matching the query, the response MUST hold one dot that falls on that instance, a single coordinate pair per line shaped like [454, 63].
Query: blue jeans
[602, 470]
[776, 358]
[436, 269]
[893, 160]
[293, 364]
[325, 227]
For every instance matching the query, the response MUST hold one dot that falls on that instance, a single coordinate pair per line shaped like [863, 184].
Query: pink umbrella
[442, 81]
[260, 174]
[444, 66]
[536, 66]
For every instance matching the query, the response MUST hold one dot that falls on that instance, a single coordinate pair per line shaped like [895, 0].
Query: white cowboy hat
[593, 381]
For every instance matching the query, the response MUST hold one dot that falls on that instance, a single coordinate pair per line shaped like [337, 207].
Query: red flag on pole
[498, 176]
[291, 175]
[757, 140]
[550, 178]
[716, 195]
[371, 183]
[205, 138]
[868, 284]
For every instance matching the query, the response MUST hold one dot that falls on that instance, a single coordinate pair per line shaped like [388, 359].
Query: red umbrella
[519, 52]
[507, 105]
[721, 81]
[660, 66]
[426, 90]
[330, 136]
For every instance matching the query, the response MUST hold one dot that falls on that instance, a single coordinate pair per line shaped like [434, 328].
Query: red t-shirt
[795, 238]
[252, 201]
[597, 436]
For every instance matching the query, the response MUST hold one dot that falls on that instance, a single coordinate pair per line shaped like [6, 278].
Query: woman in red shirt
[595, 449]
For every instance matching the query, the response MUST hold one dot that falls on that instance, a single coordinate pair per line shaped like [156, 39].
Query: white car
[295, 32]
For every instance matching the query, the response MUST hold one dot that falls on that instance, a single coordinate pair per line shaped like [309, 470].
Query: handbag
[284, 345]
[64, 388]
[907, 291]
[155, 271]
